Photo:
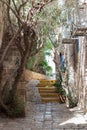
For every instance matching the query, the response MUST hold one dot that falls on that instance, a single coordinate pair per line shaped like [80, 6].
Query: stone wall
[30, 75]
[76, 62]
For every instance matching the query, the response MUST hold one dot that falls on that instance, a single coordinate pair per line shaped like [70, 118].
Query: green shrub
[72, 100]
[59, 86]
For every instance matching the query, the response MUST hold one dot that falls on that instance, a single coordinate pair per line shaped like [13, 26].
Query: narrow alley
[46, 116]
[43, 64]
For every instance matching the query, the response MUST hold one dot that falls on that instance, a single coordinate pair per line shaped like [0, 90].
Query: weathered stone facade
[76, 63]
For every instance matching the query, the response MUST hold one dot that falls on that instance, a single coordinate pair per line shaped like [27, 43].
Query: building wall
[76, 63]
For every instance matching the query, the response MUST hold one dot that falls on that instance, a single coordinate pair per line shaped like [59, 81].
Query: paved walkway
[46, 116]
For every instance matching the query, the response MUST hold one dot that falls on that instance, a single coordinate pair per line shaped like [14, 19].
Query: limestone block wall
[30, 75]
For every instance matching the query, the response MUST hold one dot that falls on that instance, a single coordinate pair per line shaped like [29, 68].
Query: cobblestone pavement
[46, 116]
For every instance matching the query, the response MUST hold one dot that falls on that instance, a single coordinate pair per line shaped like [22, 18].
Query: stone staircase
[47, 91]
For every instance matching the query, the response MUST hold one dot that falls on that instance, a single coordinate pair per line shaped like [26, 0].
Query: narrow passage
[46, 116]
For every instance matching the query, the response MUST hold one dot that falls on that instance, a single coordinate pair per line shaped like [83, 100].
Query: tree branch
[16, 12]
[22, 5]
[15, 6]
[12, 11]
[36, 51]
[8, 13]
[19, 46]
[36, 8]
[10, 43]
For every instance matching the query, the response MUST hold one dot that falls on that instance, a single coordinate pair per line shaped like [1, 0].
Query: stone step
[47, 88]
[47, 91]
[51, 99]
[47, 81]
[49, 94]
[44, 84]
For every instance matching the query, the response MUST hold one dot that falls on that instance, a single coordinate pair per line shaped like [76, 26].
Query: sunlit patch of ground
[78, 117]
